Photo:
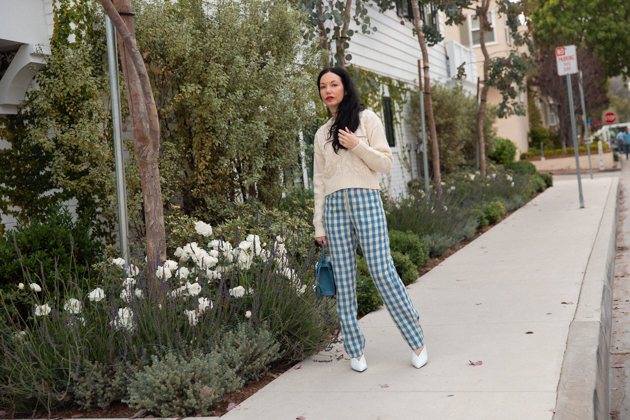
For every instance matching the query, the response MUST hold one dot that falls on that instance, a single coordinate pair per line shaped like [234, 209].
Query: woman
[349, 151]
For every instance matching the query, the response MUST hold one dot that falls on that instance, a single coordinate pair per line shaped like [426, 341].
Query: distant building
[499, 44]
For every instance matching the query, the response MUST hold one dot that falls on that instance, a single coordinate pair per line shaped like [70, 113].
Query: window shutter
[464, 33]
[389, 121]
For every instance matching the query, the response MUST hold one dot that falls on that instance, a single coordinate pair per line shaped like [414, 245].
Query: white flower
[452, 188]
[512, 184]
[204, 303]
[255, 241]
[288, 273]
[118, 262]
[73, 306]
[81, 320]
[245, 245]
[443, 183]
[203, 228]
[193, 289]
[20, 335]
[472, 177]
[21, 286]
[250, 291]
[182, 273]
[478, 173]
[508, 177]
[192, 317]
[207, 261]
[35, 287]
[248, 314]
[280, 239]
[138, 293]
[124, 319]
[226, 248]
[163, 273]
[130, 281]
[244, 259]
[179, 252]
[125, 295]
[214, 243]
[237, 292]
[445, 208]
[42, 310]
[170, 264]
[494, 175]
[280, 250]
[301, 290]
[214, 253]
[132, 270]
[213, 274]
[178, 291]
[96, 295]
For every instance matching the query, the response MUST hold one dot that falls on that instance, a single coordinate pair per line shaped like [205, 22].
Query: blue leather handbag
[324, 276]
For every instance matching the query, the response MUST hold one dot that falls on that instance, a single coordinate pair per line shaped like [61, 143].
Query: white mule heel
[419, 360]
[358, 365]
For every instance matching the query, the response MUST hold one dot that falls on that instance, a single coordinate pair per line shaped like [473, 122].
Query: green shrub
[522, 167]
[528, 155]
[438, 243]
[99, 385]
[548, 178]
[406, 269]
[615, 156]
[248, 350]
[368, 298]
[537, 183]
[479, 215]
[179, 384]
[504, 151]
[53, 246]
[494, 211]
[410, 244]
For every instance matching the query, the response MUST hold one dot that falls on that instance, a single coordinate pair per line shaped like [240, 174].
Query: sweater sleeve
[377, 155]
[319, 190]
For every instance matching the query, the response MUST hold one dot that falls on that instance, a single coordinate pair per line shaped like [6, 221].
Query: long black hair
[347, 114]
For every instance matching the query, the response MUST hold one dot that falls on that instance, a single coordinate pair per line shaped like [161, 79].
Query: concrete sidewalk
[508, 299]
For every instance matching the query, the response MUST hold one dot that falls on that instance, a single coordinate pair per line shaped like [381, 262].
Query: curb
[584, 386]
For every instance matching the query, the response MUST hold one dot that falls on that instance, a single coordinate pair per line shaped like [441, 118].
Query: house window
[389, 121]
[428, 13]
[553, 119]
[508, 39]
[473, 21]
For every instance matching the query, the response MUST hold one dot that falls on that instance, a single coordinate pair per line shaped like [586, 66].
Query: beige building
[499, 44]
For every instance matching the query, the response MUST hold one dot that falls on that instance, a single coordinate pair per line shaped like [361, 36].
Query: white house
[393, 51]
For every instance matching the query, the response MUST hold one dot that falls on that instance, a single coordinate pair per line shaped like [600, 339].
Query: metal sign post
[566, 60]
[425, 158]
[588, 145]
[121, 188]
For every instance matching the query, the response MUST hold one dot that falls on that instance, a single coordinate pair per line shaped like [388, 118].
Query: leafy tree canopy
[602, 26]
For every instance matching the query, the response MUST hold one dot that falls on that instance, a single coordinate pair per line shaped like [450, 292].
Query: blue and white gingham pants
[358, 213]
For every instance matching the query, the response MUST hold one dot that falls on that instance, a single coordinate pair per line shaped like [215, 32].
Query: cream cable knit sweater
[356, 168]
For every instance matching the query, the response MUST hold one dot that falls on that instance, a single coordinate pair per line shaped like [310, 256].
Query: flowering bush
[118, 321]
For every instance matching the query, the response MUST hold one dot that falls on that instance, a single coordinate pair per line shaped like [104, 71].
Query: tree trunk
[145, 129]
[322, 29]
[341, 50]
[435, 151]
[482, 15]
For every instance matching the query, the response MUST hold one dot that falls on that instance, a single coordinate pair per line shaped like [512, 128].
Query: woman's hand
[347, 139]
[322, 240]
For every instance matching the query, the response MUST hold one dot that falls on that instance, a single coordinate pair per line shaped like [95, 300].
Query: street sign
[610, 117]
[589, 122]
[566, 60]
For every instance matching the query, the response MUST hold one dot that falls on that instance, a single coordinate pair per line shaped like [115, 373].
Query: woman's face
[331, 90]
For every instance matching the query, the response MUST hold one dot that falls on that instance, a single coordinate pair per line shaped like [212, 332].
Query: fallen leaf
[566, 303]
[144, 55]
[478, 363]
[300, 418]
[230, 406]
[451, 395]
[275, 376]
[477, 303]
[206, 392]
[618, 365]
[296, 367]
[615, 413]
[548, 313]
[385, 386]
[198, 415]
[614, 389]
[529, 332]
[554, 410]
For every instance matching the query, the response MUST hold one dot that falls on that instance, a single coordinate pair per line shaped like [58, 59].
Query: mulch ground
[120, 410]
